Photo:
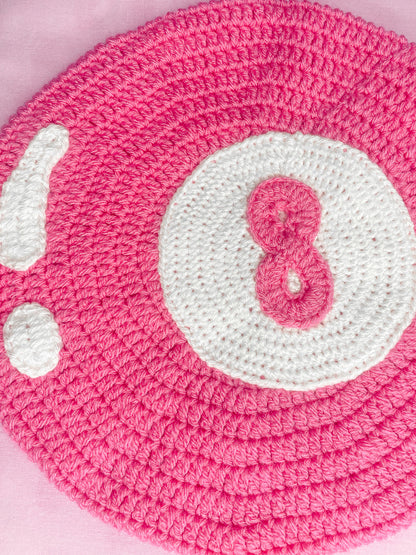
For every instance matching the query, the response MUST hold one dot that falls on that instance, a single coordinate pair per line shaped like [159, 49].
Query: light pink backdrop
[38, 40]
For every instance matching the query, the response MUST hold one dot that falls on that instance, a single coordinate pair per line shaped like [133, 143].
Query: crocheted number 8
[284, 217]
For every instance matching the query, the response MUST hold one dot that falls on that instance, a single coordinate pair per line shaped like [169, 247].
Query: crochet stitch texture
[149, 154]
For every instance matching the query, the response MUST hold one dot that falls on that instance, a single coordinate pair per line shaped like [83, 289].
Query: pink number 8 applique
[284, 217]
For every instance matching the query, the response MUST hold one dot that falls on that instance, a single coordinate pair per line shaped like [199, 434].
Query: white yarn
[32, 340]
[293, 282]
[24, 198]
[208, 262]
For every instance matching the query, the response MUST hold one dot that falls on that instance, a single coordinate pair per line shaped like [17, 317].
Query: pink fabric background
[38, 40]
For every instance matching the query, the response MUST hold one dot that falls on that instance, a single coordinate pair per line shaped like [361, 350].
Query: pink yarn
[284, 217]
[132, 424]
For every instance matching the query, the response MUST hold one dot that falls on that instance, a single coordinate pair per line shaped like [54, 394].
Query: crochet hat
[208, 280]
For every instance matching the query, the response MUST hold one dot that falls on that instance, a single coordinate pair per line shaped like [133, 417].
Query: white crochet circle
[208, 262]
[31, 339]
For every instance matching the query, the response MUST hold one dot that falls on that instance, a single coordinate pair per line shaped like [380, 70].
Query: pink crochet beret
[208, 280]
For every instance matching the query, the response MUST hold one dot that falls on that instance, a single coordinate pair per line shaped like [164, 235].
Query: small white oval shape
[32, 340]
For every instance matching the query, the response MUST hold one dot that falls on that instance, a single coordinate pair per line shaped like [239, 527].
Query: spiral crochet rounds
[155, 193]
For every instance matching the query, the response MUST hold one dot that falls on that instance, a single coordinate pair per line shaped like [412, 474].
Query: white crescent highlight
[24, 198]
